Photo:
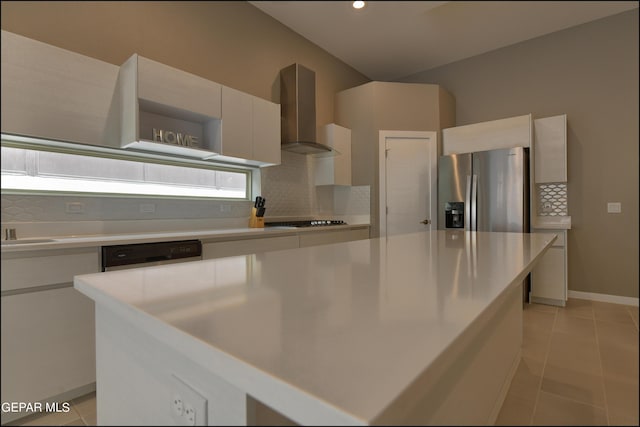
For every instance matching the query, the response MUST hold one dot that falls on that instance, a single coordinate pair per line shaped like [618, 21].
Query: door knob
[426, 221]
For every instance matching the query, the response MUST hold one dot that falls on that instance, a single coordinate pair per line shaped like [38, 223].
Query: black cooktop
[306, 223]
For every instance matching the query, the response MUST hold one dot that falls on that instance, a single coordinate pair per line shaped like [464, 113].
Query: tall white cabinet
[551, 149]
[550, 278]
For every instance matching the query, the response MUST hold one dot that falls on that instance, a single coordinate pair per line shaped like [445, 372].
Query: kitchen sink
[26, 241]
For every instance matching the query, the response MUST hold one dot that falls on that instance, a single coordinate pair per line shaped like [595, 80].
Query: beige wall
[375, 106]
[589, 72]
[232, 43]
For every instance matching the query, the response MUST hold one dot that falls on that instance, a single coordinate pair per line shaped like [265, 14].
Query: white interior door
[408, 179]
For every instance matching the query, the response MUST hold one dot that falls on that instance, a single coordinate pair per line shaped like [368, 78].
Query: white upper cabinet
[334, 170]
[53, 93]
[167, 110]
[551, 149]
[237, 128]
[266, 132]
[492, 135]
[250, 129]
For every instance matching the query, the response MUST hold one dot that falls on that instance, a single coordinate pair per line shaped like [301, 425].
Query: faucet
[10, 234]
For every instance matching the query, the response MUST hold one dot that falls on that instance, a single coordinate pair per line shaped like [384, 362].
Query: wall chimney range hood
[298, 111]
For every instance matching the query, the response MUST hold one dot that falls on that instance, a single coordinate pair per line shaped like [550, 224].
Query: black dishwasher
[119, 257]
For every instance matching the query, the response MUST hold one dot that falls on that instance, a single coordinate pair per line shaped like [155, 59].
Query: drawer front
[359, 233]
[560, 241]
[48, 344]
[247, 246]
[548, 277]
[27, 272]
[333, 236]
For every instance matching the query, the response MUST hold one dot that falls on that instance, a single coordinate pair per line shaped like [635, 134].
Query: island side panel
[139, 378]
[468, 383]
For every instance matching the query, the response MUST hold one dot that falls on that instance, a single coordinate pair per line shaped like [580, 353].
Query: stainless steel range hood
[298, 110]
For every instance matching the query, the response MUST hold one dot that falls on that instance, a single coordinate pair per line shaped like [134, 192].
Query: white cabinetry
[266, 132]
[237, 129]
[250, 129]
[333, 236]
[49, 92]
[335, 170]
[212, 250]
[549, 279]
[218, 249]
[551, 149]
[184, 109]
[492, 135]
[48, 341]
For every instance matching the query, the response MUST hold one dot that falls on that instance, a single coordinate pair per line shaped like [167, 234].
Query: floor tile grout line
[604, 389]
[633, 319]
[544, 365]
[570, 399]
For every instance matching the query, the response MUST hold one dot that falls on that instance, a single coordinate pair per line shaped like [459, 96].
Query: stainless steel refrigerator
[484, 191]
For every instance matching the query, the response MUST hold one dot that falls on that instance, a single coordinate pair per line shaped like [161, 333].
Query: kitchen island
[421, 328]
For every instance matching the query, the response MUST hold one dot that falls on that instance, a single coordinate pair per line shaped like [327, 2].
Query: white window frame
[30, 181]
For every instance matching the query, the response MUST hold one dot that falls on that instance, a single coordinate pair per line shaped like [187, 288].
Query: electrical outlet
[190, 414]
[147, 208]
[225, 208]
[178, 405]
[189, 407]
[74, 207]
[546, 207]
[614, 207]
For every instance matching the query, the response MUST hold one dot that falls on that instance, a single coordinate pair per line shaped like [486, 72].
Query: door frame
[432, 137]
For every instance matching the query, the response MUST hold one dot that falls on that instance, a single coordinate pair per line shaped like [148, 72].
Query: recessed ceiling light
[358, 4]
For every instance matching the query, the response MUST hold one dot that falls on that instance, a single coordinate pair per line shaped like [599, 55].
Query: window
[95, 170]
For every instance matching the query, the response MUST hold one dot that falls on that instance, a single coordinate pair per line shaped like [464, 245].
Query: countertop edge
[207, 236]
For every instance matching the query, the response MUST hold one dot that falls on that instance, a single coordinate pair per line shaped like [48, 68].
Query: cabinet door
[45, 268]
[548, 276]
[48, 342]
[167, 110]
[168, 86]
[53, 93]
[551, 149]
[266, 131]
[549, 281]
[247, 246]
[335, 170]
[332, 236]
[237, 124]
[48, 345]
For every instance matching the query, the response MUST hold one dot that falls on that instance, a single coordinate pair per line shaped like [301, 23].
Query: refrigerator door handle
[467, 205]
[474, 203]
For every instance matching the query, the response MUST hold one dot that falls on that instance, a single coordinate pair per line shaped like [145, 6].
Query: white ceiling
[388, 40]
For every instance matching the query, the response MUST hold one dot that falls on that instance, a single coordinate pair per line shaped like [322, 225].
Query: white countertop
[350, 325]
[210, 235]
[552, 223]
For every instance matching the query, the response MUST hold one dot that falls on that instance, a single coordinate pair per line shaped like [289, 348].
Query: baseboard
[548, 301]
[615, 299]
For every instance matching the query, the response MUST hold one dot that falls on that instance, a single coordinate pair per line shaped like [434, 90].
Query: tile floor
[82, 413]
[579, 366]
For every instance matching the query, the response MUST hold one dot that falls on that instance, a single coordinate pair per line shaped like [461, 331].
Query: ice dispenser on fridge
[454, 215]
